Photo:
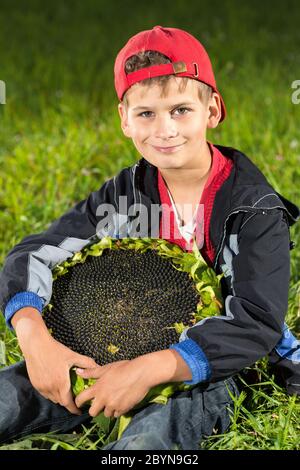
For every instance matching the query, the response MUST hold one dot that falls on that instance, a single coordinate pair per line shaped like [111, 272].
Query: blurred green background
[60, 134]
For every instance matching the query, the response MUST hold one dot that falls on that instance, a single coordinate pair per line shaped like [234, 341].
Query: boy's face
[161, 123]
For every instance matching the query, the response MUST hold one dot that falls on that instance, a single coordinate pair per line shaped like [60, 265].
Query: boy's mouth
[168, 149]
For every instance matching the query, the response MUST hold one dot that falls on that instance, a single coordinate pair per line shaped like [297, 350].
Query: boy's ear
[124, 120]
[214, 111]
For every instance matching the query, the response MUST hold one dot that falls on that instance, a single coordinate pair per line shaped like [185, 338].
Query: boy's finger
[98, 406]
[83, 397]
[90, 373]
[68, 403]
[84, 362]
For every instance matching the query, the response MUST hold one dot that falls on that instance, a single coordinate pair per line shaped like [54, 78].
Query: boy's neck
[191, 177]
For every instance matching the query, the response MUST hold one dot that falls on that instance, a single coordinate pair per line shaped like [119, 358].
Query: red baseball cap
[188, 59]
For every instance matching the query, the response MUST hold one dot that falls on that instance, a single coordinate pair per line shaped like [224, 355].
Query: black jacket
[249, 229]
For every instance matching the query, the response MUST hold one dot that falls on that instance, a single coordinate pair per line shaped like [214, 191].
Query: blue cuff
[288, 347]
[195, 358]
[20, 300]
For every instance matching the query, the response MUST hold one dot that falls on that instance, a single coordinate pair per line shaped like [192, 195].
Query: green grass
[60, 137]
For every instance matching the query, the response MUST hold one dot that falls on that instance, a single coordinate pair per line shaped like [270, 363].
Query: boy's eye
[177, 109]
[143, 113]
[184, 109]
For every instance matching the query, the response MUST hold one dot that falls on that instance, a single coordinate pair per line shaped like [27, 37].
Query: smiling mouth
[167, 148]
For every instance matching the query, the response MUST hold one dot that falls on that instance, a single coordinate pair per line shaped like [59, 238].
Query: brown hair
[146, 59]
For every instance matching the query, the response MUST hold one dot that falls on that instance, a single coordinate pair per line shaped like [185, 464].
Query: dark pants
[180, 424]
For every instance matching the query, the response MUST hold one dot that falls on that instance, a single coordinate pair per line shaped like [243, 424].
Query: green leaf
[197, 253]
[26, 444]
[209, 276]
[210, 310]
[188, 261]
[113, 431]
[179, 327]
[124, 421]
[77, 256]
[160, 399]
[63, 445]
[210, 290]
[79, 384]
[206, 297]
[103, 423]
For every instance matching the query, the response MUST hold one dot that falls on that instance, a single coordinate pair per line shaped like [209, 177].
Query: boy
[168, 99]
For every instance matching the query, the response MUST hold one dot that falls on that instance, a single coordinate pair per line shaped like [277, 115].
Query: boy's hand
[48, 362]
[49, 367]
[120, 385]
[118, 388]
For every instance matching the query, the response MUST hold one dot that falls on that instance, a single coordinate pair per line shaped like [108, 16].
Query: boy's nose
[165, 128]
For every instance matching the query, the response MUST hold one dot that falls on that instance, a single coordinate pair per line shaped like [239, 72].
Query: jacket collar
[248, 188]
[245, 189]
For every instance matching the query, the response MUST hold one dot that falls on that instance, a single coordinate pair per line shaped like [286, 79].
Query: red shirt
[220, 170]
